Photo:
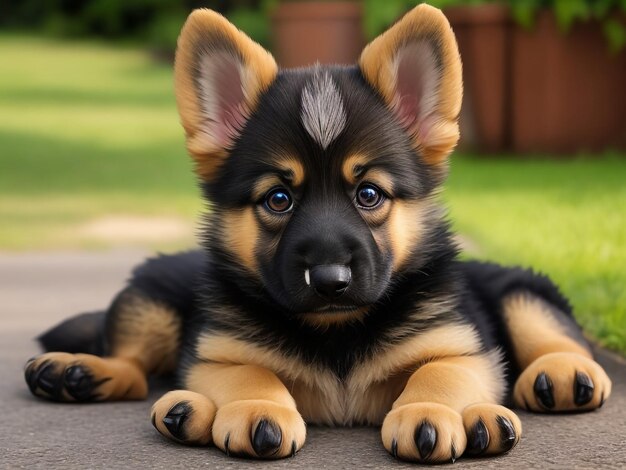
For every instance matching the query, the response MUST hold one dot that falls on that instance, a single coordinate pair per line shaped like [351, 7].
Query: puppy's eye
[278, 200]
[369, 196]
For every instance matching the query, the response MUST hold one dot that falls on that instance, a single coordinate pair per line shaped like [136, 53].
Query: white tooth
[307, 277]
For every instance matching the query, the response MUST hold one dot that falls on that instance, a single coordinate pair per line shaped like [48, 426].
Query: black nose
[330, 280]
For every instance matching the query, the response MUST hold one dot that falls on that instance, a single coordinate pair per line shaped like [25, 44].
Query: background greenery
[157, 22]
[88, 130]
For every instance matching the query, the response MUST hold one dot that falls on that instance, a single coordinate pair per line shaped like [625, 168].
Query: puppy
[328, 289]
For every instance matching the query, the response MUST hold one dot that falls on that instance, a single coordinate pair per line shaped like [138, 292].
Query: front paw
[424, 432]
[562, 381]
[491, 429]
[258, 428]
[184, 416]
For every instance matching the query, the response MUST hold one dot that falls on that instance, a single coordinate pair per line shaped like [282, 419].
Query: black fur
[213, 292]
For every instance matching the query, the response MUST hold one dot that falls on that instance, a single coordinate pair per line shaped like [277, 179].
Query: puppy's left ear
[416, 68]
[219, 75]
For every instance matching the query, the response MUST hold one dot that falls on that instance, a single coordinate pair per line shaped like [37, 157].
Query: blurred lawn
[88, 130]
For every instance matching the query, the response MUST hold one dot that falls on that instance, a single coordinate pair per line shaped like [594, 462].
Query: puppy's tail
[82, 333]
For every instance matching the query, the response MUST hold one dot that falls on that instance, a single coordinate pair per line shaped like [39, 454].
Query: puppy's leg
[558, 370]
[143, 337]
[449, 405]
[256, 415]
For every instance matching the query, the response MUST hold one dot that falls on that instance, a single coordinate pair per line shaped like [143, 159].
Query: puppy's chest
[323, 398]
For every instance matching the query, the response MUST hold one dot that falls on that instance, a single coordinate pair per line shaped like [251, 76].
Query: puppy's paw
[491, 429]
[83, 377]
[424, 432]
[258, 428]
[562, 381]
[184, 416]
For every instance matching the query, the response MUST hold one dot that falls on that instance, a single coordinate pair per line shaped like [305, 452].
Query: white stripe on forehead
[322, 114]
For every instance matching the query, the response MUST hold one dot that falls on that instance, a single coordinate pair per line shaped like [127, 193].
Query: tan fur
[294, 173]
[148, 333]
[534, 330]
[351, 165]
[369, 391]
[456, 382]
[561, 368]
[325, 320]
[240, 232]
[244, 395]
[401, 423]
[542, 345]
[380, 178]
[293, 167]
[488, 414]
[197, 425]
[423, 24]
[122, 379]
[437, 392]
[258, 71]
[405, 228]
[236, 422]
[224, 383]
[263, 184]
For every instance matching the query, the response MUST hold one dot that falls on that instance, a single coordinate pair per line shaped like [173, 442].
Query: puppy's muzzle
[328, 281]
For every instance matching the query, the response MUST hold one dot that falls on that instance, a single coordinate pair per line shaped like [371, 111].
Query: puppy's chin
[336, 309]
[334, 317]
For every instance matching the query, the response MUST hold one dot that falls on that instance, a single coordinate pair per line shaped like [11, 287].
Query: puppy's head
[320, 179]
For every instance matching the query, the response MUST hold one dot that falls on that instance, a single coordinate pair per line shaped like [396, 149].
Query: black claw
[31, 377]
[294, 448]
[175, 419]
[453, 453]
[79, 383]
[153, 420]
[29, 363]
[601, 400]
[508, 438]
[48, 380]
[226, 442]
[267, 438]
[543, 390]
[394, 448]
[425, 438]
[583, 389]
[478, 439]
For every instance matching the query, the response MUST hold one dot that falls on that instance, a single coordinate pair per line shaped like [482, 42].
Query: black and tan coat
[328, 290]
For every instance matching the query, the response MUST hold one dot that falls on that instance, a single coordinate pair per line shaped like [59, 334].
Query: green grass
[88, 130]
[566, 219]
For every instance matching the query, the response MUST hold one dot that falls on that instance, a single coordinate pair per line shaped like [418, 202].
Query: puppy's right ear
[219, 74]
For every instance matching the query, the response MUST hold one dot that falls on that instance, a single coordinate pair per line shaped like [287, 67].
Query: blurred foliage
[155, 22]
[158, 22]
[379, 15]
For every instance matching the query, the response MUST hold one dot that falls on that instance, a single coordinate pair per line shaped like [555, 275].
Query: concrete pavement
[36, 290]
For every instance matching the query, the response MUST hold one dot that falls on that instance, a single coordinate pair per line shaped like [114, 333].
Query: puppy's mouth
[335, 308]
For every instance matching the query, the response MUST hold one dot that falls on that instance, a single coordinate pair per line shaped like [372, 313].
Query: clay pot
[483, 34]
[569, 90]
[312, 31]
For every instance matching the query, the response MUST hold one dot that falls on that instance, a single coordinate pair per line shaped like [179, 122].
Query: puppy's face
[320, 178]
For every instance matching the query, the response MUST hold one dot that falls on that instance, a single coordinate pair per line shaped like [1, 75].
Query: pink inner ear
[230, 113]
[417, 77]
[226, 100]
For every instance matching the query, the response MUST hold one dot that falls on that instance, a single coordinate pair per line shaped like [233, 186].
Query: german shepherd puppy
[328, 289]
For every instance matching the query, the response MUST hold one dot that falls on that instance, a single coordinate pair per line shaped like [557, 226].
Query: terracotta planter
[483, 35]
[310, 31]
[569, 91]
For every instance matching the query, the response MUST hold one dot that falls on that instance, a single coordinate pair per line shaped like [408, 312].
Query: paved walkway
[37, 290]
